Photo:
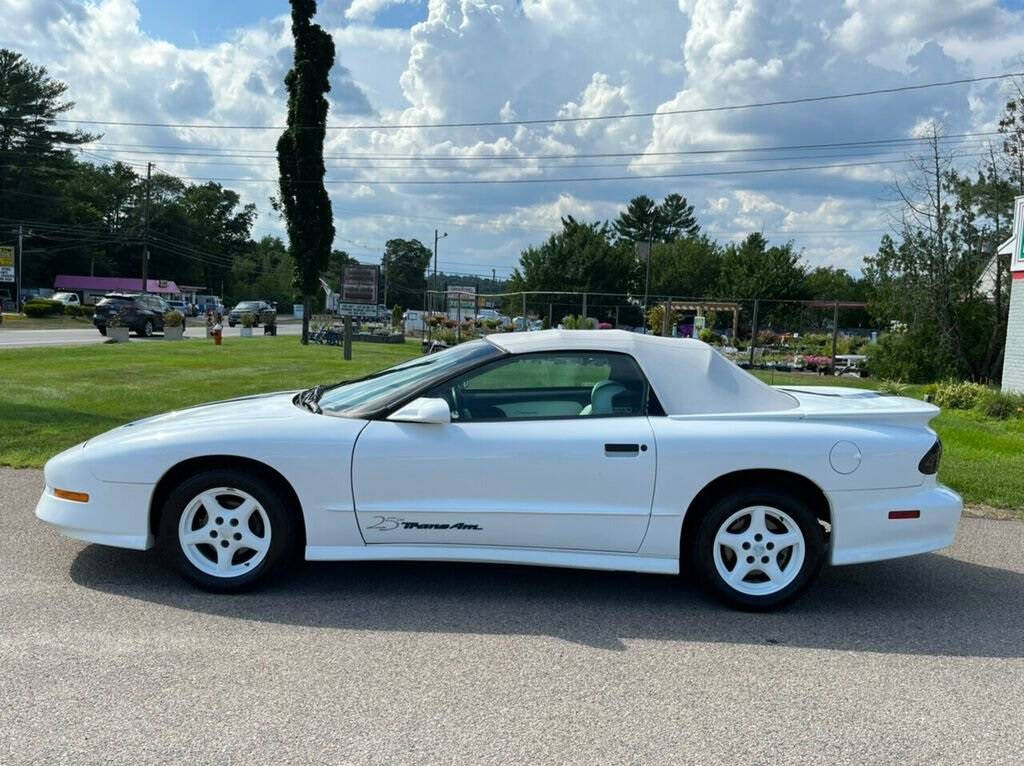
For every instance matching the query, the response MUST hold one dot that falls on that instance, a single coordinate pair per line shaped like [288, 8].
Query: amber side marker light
[67, 494]
[904, 514]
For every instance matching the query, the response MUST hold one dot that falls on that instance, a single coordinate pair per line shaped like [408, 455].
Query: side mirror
[424, 410]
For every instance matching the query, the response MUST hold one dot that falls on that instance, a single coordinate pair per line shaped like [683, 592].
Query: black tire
[146, 330]
[103, 330]
[283, 542]
[703, 549]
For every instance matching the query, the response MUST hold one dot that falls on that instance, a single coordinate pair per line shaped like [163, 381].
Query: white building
[1013, 360]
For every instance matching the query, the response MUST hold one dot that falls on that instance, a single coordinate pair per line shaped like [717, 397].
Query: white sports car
[594, 449]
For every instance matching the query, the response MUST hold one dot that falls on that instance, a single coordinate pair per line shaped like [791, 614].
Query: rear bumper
[862, 530]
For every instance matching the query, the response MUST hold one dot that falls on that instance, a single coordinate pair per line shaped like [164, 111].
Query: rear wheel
[759, 548]
[226, 531]
[103, 330]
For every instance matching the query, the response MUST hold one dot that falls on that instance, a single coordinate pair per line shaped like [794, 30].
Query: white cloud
[365, 10]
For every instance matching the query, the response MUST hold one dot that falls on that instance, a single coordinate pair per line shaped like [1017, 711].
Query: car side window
[564, 384]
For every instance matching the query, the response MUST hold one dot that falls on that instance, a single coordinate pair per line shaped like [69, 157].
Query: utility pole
[433, 301]
[385, 259]
[647, 278]
[21, 264]
[145, 242]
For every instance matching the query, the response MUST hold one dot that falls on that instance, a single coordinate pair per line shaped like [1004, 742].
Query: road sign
[359, 284]
[643, 251]
[6, 264]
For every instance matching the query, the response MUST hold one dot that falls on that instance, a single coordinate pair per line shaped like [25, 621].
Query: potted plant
[248, 320]
[174, 325]
[116, 332]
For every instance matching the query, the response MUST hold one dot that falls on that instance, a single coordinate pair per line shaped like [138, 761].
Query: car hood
[253, 411]
[268, 428]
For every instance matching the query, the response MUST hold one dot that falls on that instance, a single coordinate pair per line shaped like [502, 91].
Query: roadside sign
[6, 264]
[643, 251]
[359, 310]
[359, 284]
[464, 296]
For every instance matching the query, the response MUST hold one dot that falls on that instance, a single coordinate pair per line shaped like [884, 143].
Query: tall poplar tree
[300, 155]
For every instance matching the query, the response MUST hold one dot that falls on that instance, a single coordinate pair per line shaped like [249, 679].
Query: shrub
[173, 318]
[913, 357]
[248, 319]
[995, 404]
[709, 336]
[573, 322]
[958, 395]
[895, 387]
[43, 307]
[767, 338]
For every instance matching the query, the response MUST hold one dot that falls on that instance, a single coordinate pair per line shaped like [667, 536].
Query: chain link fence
[813, 336]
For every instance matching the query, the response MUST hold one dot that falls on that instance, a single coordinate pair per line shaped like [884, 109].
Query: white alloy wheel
[224, 532]
[759, 550]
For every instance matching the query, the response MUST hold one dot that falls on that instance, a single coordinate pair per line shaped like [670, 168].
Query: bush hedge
[959, 395]
[43, 307]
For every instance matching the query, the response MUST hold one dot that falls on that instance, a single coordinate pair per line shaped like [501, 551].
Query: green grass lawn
[52, 398]
[22, 322]
[983, 459]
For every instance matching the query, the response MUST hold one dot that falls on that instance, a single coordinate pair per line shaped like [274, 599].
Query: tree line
[934, 286]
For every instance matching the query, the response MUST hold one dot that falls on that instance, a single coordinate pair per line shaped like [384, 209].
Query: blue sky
[404, 62]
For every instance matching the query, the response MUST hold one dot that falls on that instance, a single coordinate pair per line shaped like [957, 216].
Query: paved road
[104, 656]
[75, 337]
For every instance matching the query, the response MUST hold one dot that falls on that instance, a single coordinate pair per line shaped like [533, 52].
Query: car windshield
[376, 391]
[244, 305]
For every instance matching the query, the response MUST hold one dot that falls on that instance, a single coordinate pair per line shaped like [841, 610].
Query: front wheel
[226, 531]
[759, 548]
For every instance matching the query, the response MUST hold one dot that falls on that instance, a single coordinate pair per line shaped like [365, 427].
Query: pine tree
[30, 103]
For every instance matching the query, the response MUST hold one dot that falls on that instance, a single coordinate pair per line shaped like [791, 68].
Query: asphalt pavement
[107, 657]
[195, 328]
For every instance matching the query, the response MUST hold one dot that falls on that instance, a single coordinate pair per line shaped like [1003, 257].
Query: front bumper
[862, 530]
[116, 514]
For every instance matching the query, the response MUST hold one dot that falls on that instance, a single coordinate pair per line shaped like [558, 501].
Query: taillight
[930, 462]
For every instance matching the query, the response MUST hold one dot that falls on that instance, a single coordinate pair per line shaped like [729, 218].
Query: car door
[550, 450]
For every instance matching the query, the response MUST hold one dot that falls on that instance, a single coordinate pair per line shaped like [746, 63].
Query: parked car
[263, 313]
[142, 313]
[181, 306]
[565, 431]
[68, 299]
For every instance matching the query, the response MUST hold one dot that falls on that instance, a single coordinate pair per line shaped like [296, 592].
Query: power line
[204, 151]
[553, 120]
[577, 179]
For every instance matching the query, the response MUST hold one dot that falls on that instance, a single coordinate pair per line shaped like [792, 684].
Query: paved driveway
[106, 657]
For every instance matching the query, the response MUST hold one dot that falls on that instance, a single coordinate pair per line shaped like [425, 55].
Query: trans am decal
[388, 523]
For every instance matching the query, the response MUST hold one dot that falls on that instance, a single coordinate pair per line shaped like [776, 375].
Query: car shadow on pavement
[927, 605]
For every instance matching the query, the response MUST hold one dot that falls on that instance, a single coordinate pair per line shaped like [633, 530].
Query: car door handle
[612, 448]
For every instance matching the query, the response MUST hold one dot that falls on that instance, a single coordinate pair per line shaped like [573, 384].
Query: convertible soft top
[689, 377]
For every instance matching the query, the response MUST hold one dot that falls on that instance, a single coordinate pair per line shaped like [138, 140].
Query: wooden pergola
[699, 308]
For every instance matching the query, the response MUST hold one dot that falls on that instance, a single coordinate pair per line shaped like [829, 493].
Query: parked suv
[262, 312]
[142, 313]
